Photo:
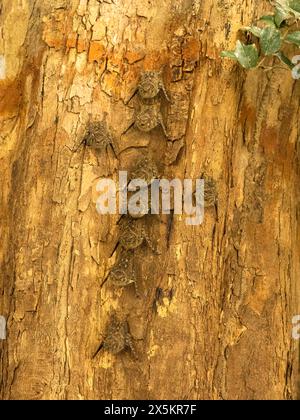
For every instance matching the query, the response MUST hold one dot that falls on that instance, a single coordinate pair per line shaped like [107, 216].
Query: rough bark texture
[221, 328]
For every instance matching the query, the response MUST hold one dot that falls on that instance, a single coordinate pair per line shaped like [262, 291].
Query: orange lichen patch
[57, 42]
[56, 28]
[134, 56]
[72, 40]
[111, 84]
[27, 83]
[53, 33]
[155, 60]
[10, 97]
[116, 61]
[191, 49]
[97, 52]
[132, 76]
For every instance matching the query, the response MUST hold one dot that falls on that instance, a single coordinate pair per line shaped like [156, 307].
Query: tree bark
[221, 326]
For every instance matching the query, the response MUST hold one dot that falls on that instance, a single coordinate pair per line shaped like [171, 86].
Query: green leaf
[229, 54]
[269, 20]
[254, 30]
[270, 40]
[280, 17]
[294, 38]
[285, 59]
[295, 5]
[247, 55]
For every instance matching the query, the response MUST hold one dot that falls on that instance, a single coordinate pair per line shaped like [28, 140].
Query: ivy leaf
[285, 59]
[246, 55]
[295, 5]
[280, 17]
[294, 38]
[254, 30]
[269, 20]
[270, 41]
[229, 54]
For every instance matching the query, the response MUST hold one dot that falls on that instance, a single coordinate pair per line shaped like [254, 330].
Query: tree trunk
[214, 315]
